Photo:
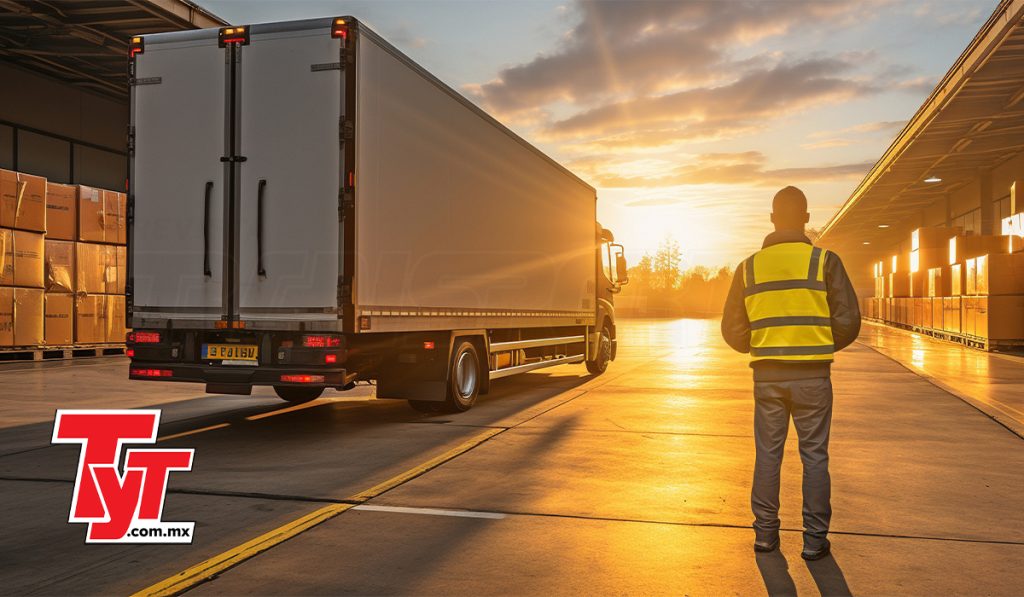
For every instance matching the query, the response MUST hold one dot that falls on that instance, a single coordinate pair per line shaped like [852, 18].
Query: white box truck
[309, 208]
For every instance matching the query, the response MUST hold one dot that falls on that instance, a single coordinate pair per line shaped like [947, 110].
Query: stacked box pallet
[100, 265]
[22, 223]
[50, 280]
[993, 306]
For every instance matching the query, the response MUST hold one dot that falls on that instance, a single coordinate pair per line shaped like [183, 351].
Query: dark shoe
[816, 554]
[766, 546]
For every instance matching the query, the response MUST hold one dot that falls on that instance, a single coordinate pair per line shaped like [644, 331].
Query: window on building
[970, 222]
[1001, 209]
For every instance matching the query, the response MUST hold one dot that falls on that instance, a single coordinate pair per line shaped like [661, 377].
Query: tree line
[660, 287]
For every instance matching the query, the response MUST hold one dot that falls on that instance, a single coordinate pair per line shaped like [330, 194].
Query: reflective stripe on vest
[784, 293]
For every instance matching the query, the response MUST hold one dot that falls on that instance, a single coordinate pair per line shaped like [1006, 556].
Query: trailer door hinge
[131, 140]
[345, 203]
[233, 158]
[347, 130]
[130, 217]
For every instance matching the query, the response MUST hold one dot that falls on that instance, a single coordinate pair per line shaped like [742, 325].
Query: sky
[687, 116]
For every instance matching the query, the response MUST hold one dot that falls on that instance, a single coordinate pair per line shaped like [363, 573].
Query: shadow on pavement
[829, 577]
[774, 571]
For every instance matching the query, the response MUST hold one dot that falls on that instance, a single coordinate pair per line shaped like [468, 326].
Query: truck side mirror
[621, 272]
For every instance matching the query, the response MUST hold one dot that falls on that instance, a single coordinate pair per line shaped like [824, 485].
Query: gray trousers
[809, 403]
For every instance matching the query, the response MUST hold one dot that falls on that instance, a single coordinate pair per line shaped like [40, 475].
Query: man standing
[791, 306]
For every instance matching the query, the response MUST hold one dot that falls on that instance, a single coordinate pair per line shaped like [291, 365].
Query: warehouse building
[63, 162]
[932, 235]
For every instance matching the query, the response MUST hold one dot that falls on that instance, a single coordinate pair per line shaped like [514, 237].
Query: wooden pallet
[48, 353]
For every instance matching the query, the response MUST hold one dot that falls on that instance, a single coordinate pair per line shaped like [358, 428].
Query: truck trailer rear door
[178, 124]
[290, 123]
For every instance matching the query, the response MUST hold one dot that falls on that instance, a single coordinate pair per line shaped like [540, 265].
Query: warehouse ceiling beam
[86, 43]
[971, 121]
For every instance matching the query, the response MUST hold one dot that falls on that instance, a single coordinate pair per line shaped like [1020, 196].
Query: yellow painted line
[183, 581]
[426, 466]
[193, 432]
[288, 409]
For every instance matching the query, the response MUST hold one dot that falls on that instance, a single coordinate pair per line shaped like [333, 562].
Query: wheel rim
[606, 347]
[465, 375]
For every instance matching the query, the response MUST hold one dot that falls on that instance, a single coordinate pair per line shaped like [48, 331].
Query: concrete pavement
[634, 482]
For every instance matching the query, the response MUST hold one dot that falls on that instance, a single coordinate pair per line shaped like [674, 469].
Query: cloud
[745, 168]
[644, 46]
[758, 95]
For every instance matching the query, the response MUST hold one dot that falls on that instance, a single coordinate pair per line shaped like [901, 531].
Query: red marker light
[136, 47]
[152, 372]
[302, 378]
[330, 358]
[321, 341]
[428, 345]
[143, 337]
[129, 352]
[339, 29]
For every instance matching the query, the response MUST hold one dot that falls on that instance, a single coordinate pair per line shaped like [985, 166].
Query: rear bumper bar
[264, 375]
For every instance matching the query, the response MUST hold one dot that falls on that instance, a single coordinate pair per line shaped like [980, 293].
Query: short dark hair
[790, 201]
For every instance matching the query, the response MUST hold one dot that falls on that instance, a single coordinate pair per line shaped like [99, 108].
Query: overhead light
[883, 225]
[932, 179]
[867, 242]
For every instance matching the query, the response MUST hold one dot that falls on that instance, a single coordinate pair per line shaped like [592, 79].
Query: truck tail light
[136, 47]
[339, 29]
[143, 337]
[321, 341]
[429, 345]
[233, 35]
[151, 372]
[129, 352]
[330, 359]
[302, 378]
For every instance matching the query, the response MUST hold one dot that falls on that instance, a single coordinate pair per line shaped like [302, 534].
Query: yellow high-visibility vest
[786, 300]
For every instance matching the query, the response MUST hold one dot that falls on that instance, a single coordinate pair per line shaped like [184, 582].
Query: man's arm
[842, 302]
[735, 323]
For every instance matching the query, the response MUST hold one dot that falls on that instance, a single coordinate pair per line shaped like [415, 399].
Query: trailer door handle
[260, 270]
[206, 229]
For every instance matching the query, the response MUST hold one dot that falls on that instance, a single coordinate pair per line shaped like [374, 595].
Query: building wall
[63, 110]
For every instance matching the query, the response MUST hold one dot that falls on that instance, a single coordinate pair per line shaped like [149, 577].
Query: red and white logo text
[122, 504]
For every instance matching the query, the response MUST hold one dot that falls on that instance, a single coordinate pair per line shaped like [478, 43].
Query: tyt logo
[121, 506]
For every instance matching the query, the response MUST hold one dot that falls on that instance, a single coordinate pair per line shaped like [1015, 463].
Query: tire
[463, 378]
[298, 395]
[604, 354]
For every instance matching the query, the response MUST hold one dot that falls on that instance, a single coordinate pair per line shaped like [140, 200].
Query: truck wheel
[463, 378]
[604, 354]
[298, 395]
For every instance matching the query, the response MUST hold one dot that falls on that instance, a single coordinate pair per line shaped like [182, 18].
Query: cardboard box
[926, 258]
[957, 280]
[90, 318]
[90, 268]
[22, 201]
[115, 213]
[951, 315]
[109, 257]
[1000, 317]
[937, 314]
[21, 317]
[61, 211]
[932, 238]
[934, 284]
[59, 319]
[59, 266]
[899, 284]
[121, 257]
[971, 277]
[1001, 275]
[90, 214]
[21, 258]
[918, 283]
[115, 319]
[962, 248]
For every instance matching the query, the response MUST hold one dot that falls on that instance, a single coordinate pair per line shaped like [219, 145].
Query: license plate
[247, 353]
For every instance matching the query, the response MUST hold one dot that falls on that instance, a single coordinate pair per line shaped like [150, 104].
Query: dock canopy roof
[974, 119]
[85, 43]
